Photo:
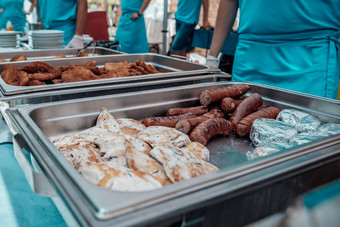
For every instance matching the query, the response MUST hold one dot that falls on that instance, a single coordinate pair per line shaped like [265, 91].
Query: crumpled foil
[266, 149]
[329, 129]
[323, 131]
[270, 136]
[268, 132]
[300, 120]
[261, 151]
[305, 137]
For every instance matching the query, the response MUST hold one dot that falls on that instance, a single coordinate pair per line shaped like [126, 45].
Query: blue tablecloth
[19, 205]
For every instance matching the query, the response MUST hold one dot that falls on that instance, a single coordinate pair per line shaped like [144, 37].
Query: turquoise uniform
[131, 34]
[13, 12]
[292, 44]
[188, 11]
[59, 15]
[187, 17]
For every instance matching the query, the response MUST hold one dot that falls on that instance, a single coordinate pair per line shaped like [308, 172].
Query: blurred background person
[187, 17]
[292, 44]
[13, 10]
[65, 15]
[131, 32]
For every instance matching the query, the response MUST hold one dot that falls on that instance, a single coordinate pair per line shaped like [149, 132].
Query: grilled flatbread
[76, 150]
[180, 164]
[112, 145]
[163, 136]
[107, 121]
[141, 162]
[118, 178]
[130, 127]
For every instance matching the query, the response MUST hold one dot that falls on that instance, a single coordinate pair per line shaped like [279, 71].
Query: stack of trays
[8, 39]
[46, 39]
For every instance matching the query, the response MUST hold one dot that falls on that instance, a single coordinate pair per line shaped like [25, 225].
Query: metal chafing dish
[41, 55]
[226, 197]
[168, 67]
[107, 89]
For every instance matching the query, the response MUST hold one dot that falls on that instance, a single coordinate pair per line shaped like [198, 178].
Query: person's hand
[1, 10]
[206, 25]
[213, 62]
[76, 42]
[134, 16]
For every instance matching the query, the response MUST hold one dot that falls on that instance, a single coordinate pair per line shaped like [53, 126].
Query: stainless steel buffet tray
[92, 205]
[16, 100]
[42, 55]
[168, 67]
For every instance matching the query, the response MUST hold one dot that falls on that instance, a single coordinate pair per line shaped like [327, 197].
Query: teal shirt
[57, 11]
[13, 12]
[131, 34]
[59, 15]
[288, 17]
[188, 11]
[131, 6]
[292, 44]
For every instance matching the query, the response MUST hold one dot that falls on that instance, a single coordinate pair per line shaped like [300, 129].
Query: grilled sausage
[246, 107]
[205, 130]
[243, 126]
[264, 106]
[197, 110]
[185, 126]
[228, 104]
[166, 121]
[210, 96]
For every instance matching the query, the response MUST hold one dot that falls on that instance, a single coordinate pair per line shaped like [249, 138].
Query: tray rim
[10, 54]
[290, 154]
[12, 90]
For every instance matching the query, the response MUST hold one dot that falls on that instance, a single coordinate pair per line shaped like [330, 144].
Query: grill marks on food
[181, 164]
[119, 154]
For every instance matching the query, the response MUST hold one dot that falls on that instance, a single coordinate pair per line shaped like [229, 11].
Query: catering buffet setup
[167, 142]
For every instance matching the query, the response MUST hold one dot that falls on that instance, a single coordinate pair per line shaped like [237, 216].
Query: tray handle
[38, 181]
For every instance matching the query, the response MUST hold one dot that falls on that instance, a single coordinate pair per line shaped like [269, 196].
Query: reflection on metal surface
[40, 121]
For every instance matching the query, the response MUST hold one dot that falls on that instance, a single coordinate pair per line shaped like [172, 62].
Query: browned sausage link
[264, 106]
[205, 130]
[166, 121]
[246, 107]
[185, 126]
[229, 104]
[214, 95]
[243, 126]
[214, 113]
[198, 110]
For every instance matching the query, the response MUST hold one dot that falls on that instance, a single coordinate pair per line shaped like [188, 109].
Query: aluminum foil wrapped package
[323, 131]
[261, 151]
[269, 131]
[300, 120]
[305, 137]
[329, 129]
[264, 150]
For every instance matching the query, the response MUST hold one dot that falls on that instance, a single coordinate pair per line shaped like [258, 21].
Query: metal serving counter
[88, 204]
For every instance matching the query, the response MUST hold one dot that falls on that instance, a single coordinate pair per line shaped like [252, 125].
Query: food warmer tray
[42, 55]
[168, 67]
[86, 204]
[99, 90]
